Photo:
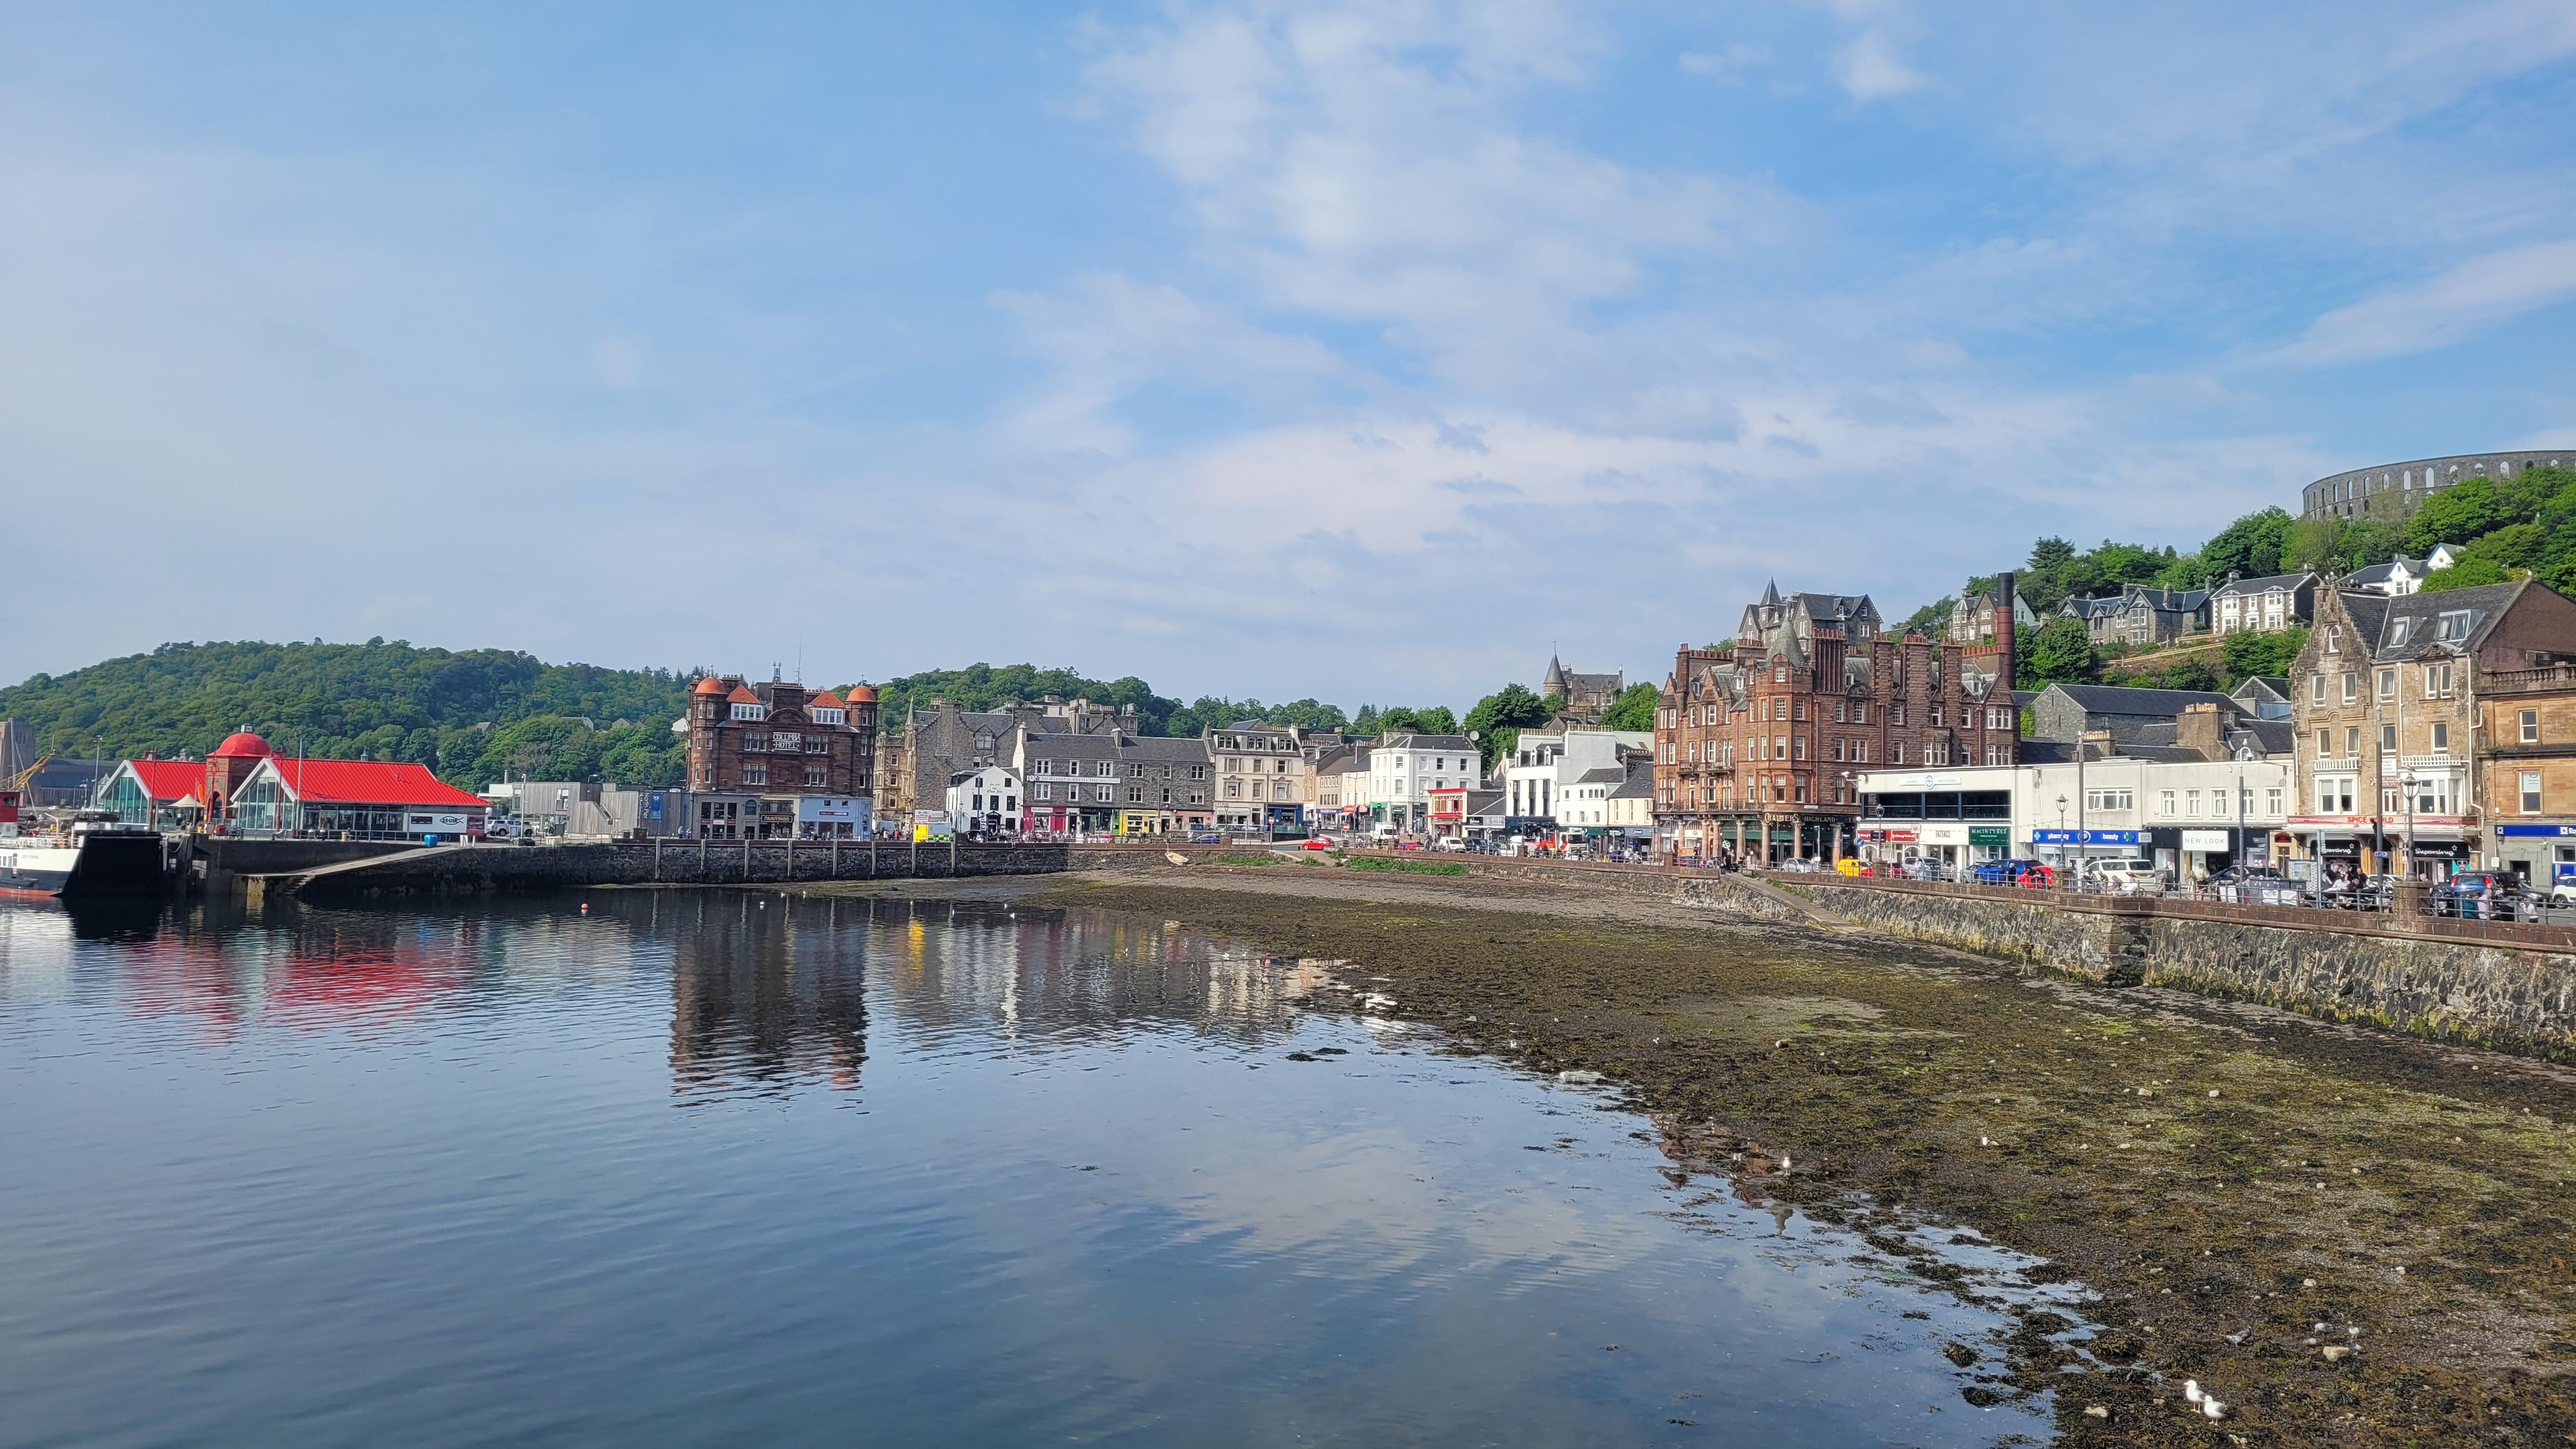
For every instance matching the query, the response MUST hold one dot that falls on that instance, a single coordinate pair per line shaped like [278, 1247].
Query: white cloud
[1871, 69]
[2449, 309]
[1728, 66]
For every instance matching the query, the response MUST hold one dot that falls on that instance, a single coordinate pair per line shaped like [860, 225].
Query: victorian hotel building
[771, 761]
[1759, 746]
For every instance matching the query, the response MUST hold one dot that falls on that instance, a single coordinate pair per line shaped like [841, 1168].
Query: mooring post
[657, 860]
[952, 855]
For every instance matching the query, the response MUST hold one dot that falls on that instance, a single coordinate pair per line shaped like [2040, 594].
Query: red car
[1318, 845]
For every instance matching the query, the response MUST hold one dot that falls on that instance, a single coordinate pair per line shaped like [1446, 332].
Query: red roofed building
[168, 794]
[367, 799]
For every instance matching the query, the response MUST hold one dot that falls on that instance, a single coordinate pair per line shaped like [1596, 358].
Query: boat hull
[108, 863]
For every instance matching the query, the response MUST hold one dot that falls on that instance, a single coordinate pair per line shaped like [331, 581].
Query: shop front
[2543, 855]
[2068, 849]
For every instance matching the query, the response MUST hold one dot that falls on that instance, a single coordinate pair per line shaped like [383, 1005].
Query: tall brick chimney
[2004, 635]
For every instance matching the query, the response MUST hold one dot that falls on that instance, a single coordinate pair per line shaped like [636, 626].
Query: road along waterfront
[2246, 1188]
[693, 1166]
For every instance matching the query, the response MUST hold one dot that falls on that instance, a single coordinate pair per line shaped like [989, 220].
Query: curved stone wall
[2394, 490]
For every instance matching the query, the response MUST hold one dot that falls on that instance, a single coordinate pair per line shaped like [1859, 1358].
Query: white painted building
[986, 799]
[1405, 769]
[1541, 779]
[2189, 817]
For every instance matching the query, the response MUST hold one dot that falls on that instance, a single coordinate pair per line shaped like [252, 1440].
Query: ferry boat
[95, 856]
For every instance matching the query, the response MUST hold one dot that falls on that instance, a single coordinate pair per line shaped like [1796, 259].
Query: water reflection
[729, 1167]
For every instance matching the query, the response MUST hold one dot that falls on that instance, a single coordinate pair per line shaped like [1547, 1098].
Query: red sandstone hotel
[1759, 746]
[772, 761]
[245, 788]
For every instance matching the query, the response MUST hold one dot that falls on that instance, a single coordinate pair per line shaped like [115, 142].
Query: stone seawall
[456, 869]
[2504, 986]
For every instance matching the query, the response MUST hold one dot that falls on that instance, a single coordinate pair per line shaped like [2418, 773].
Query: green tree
[986, 686]
[1635, 709]
[2058, 652]
[1499, 718]
[2246, 654]
[1931, 621]
[2253, 546]
[2469, 573]
[2458, 514]
[1434, 720]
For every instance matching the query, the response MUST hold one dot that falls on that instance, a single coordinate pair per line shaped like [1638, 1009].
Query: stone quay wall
[456, 869]
[2512, 987]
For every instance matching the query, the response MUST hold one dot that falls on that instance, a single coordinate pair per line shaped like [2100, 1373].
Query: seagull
[2191, 1391]
[2210, 1406]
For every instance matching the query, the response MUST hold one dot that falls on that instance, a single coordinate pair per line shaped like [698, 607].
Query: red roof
[369, 782]
[244, 743]
[170, 779]
[862, 694]
[742, 695]
[826, 700]
[709, 685]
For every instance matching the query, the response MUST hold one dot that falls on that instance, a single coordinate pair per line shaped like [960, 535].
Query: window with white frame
[2316, 689]
[2437, 737]
[2530, 726]
[2272, 802]
[2388, 684]
[2165, 803]
[2531, 792]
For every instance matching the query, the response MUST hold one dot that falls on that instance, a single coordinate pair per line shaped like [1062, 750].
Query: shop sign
[1896, 835]
[1945, 835]
[1990, 835]
[2085, 837]
[1914, 782]
[2204, 840]
[2545, 832]
[814, 809]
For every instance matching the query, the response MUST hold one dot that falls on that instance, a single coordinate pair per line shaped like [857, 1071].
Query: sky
[1362, 352]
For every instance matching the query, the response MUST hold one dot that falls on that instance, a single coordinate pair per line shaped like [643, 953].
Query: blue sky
[1363, 352]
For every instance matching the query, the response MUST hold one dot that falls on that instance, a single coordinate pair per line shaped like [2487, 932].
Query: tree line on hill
[2499, 530]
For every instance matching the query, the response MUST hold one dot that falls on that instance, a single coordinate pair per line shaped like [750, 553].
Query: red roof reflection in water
[311, 977]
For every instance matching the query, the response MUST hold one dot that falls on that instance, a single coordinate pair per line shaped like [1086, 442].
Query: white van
[2125, 877]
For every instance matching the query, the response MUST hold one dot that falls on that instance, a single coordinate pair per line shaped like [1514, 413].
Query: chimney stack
[2004, 635]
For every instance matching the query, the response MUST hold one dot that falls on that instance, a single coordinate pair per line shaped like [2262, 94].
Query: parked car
[2482, 895]
[1928, 869]
[1316, 844]
[2255, 885]
[2130, 877]
[2033, 873]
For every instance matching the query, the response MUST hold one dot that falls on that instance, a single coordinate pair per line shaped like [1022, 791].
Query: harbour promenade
[468, 869]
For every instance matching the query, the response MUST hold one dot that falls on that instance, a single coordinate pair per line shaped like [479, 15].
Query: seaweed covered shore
[2348, 1237]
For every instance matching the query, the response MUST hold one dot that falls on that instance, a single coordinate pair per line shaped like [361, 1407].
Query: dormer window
[751, 711]
[2452, 626]
[2398, 630]
[831, 716]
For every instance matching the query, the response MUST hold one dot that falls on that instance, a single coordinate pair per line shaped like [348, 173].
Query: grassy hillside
[470, 714]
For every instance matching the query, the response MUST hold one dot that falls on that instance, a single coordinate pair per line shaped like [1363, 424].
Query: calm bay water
[726, 1169]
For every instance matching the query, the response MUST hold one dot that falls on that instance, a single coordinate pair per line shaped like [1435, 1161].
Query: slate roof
[2286, 583]
[2375, 617]
[1426, 742]
[1640, 784]
[2160, 703]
